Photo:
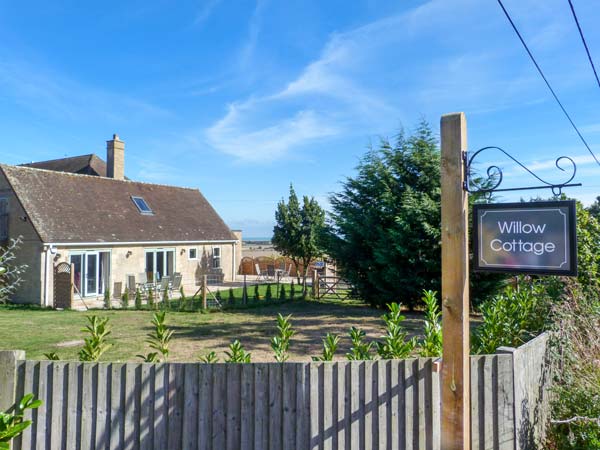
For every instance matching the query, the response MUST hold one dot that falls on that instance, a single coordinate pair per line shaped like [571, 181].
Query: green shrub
[183, 302]
[360, 350]
[431, 346]
[96, 344]
[231, 299]
[209, 358]
[269, 293]
[330, 345]
[292, 290]
[282, 293]
[12, 424]
[256, 293]
[138, 299]
[150, 300]
[236, 353]
[281, 343]
[166, 301]
[52, 356]
[125, 300]
[107, 302]
[160, 338]
[395, 343]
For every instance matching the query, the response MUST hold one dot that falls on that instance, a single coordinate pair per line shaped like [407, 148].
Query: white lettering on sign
[520, 227]
[537, 248]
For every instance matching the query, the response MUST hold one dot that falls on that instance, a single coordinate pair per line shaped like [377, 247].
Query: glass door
[91, 274]
[77, 261]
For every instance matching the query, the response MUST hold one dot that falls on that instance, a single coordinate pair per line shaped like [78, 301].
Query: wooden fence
[386, 404]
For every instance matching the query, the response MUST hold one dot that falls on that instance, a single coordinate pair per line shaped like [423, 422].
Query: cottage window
[92, 272]
[3, 218]
[142, 205]
[193, 253]
[216, 259]
[160, 263]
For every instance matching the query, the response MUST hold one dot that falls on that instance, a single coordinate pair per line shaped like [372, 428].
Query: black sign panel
[536, 238]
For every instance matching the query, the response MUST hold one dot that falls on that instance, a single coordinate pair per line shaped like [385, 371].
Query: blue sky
[240, 98]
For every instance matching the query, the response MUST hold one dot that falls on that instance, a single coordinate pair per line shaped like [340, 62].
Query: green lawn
[38, 331]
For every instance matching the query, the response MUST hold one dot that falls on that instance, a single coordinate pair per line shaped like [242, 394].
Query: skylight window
[142, 205]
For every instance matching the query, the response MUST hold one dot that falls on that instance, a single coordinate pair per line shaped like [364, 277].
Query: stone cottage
[84, 211]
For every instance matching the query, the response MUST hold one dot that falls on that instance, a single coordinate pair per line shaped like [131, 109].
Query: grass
[38, 331]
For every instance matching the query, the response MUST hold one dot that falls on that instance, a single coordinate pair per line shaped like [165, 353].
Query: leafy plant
[269, 293]
[52, 356]
[138, 299]
[107, 301]
[151, 298]
[360, 350]
[282, 293]
[431, 346]
[125, 300]
[256, 293]
[281, 343]
[209, 358]
[96, 344]
[330, 345]
[150, 357]
[161, 337]
[13, 424]
[237, 354]
[395, 343]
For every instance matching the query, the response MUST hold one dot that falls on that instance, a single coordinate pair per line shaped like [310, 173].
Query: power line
[548, 84]
[587, 50]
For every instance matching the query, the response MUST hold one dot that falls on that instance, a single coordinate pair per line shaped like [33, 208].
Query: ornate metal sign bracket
[495, 177]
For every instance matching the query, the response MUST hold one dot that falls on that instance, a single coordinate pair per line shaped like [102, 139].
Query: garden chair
[175, 284]
[131, 286]
[164, 283]
[261, 275]
[270, 272]
[117, 292]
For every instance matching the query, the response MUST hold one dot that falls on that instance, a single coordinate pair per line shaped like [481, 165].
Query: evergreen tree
[292, 290]
[256, 293]
[282, 293]
[138, 299]
[298, 231]
[125, 300]
[231, 297]
[269, 293]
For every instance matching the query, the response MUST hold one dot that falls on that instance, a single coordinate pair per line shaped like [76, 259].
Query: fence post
[204, 287]
[317, 285]
[8, 376]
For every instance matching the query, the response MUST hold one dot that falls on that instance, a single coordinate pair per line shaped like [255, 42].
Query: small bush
[231, 299]
[161, 337]
[209, 358]
[125, 300]
[166, 301]
[12, 424]
[183, 302]
[330, 345]
[360, 350]
[431, 346]
[236, 353]
[269, 293]
[150, 300]
[292, 290]
[281, 343]
[282, 293]
[138, 299]
[107, 302]
[395, 343]
[256, 293]
[96, 344]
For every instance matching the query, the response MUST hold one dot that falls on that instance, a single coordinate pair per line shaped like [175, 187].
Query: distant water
[256, 239]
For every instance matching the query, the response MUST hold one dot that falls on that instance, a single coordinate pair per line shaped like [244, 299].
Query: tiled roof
[83, 164]
[65, 207]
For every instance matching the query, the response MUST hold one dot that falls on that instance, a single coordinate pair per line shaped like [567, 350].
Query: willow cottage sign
[536, 238]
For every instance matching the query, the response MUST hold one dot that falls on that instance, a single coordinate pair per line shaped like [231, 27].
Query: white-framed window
[92, 271]
[160, 262]
[142, 206]
[193, 253]
[3, 218]
[216, 259]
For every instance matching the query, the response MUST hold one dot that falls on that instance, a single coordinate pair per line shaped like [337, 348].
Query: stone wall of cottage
[131, 260]
[30, 252]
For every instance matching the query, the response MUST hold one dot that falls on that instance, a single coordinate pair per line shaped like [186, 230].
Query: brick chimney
[115, 158]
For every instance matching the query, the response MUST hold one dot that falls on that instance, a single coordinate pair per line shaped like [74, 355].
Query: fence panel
[345, 405]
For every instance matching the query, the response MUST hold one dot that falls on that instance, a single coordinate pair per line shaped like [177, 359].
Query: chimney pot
[115, 158]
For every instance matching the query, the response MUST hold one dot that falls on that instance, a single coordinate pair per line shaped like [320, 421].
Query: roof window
[142, 205]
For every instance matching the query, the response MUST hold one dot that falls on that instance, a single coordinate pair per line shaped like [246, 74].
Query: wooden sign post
[455, 286]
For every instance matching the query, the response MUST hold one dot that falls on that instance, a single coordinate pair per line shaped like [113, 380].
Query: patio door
[159, 263]
[91, 273]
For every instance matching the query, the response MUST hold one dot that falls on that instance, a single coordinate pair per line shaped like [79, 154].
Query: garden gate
[63, 285]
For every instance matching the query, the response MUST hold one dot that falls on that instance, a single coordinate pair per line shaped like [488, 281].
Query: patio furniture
[175, 284]
[117, 292]
[270, 272]
[261, 275]
[131, 286]
[164, 283]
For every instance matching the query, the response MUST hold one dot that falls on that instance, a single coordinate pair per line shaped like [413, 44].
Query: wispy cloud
[205, 11]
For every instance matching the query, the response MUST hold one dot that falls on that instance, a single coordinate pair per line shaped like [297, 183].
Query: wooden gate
[333, 287]
[63, 285]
